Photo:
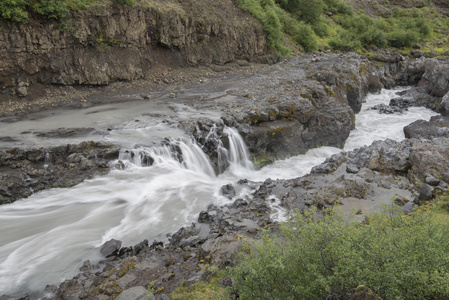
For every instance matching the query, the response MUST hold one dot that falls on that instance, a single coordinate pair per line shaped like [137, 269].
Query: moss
[201, 290]
[125, 266]
[329, 92]
[263, 161]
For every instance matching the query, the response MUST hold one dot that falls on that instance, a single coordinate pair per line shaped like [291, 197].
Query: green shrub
[306, 38]
[402, 39]
[396, 256]
[126, 2]
[270, 16]
[337, 7]
[308, 10]
[345, 41]
[374, 36]
[55, 9]
[320, 29]
[14, 10]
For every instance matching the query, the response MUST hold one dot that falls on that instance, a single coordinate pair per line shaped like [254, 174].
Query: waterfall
[238, 152]
[47, 160]
[159, 190]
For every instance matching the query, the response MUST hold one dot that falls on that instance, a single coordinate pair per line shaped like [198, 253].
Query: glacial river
[46, 237]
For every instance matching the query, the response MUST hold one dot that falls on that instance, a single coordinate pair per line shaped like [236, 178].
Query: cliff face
[116, 42]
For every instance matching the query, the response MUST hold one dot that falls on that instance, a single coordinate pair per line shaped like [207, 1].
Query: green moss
[201, 290]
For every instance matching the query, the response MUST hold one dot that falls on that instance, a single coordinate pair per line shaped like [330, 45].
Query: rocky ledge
[23, 172]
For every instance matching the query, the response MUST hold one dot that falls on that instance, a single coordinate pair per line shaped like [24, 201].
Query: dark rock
[228, 191]
[110, 248]
[386, 109]
[444, 105]
[239, 203]
[204, 217]
[438, 126]
[436, 77]
[400, 103]
[425, 192]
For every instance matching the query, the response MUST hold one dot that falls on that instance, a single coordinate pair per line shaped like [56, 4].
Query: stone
[110, 248]
[386, 109]
[86, 266]
[352, 169]
[425, 192]
[239, 203]
[444, 105]
[432, 180]
[135, 293]
[228, 191]
[22, 91]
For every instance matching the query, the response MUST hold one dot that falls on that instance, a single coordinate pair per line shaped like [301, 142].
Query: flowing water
[46, 237]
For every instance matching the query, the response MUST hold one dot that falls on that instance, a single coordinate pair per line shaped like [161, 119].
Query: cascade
[160, 190]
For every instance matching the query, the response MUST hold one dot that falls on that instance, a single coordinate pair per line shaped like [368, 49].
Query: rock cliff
[109, 43]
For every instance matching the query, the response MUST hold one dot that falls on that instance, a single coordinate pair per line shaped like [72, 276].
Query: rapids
[46, 237]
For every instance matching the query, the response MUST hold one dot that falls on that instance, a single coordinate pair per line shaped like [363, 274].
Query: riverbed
[46, 237]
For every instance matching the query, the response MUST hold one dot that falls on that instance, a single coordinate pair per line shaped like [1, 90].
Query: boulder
[228, 191]
[110, 248]
[425, 192]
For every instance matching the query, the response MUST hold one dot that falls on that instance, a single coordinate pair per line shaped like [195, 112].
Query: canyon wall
[104, 44]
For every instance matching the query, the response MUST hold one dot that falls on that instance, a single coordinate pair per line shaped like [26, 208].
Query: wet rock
[386, 109]
[135, 293]
[228, 191]
[400, 103]
[69, 165]
[110, 248]
[425, 192]
[237, 203]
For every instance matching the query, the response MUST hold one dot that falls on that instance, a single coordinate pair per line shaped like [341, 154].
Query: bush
[337, 6]
[306, 38]
[402, 39]
[270, 16]
[396, 256]
[308, 10]
[320, 29]
[55, 9]
[345, 41]
[125, 2]
[14, 10]
[374, 36]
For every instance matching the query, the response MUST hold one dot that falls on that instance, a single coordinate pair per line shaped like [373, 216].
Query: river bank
[274, 122]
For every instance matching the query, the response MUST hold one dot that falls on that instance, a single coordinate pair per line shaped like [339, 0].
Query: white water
[46, 237]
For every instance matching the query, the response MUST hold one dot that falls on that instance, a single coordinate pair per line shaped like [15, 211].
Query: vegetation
[19, 10]
[397, 256]
[308, 24]
[338, 29]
